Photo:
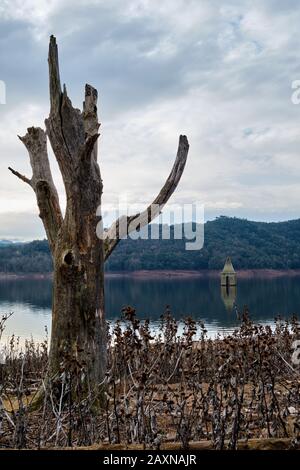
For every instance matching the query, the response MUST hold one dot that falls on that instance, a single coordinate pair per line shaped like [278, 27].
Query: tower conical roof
[228, 268]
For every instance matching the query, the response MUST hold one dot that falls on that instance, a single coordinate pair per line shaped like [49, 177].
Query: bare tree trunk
[78, 323]
[78, 320]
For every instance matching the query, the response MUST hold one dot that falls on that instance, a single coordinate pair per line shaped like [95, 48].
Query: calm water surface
[30, 300]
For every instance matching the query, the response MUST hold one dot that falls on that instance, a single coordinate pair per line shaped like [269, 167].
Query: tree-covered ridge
[21, 258]
[251, 245]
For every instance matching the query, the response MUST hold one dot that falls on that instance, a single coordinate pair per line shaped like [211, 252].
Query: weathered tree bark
[78, 320]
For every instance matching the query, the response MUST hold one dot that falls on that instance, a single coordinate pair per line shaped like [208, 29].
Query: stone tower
[228, 275]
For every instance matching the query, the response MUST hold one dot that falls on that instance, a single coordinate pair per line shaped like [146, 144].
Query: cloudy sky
[219, 71]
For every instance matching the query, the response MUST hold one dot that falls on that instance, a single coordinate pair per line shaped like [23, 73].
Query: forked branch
[126, 224]
[42, 182]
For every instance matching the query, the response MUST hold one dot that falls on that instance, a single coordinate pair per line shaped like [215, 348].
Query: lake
[201, 298]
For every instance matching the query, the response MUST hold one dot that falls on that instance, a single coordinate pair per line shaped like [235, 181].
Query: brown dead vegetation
[162, 391]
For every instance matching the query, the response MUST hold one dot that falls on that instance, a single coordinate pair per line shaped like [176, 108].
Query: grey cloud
[22, 226]
[203, 68]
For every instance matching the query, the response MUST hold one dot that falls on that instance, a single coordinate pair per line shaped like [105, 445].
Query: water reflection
[35, 293]
[30, 300]
[228, 294]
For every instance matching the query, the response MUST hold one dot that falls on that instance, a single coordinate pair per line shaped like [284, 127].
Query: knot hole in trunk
[68, 258]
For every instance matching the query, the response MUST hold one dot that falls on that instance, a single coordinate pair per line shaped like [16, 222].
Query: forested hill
[251, 245]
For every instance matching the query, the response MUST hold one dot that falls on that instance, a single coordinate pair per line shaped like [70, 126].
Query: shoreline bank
[168, 274]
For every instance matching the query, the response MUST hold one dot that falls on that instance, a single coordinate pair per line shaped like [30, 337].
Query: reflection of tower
[228, 285]
[228, 295]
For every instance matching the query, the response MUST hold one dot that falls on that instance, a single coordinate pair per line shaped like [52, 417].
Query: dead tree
[78, 321]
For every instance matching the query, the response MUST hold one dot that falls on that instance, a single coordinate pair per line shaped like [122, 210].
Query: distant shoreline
[168, 274]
